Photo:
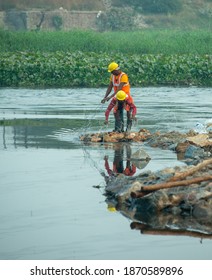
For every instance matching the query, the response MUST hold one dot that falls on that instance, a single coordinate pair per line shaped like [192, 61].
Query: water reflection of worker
[118, 162]
[120, 103]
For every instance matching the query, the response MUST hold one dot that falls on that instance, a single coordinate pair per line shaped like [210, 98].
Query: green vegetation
[136, 42]
[150, 57]
[65, 69]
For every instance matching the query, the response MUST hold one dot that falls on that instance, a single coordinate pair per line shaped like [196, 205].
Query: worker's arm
[107, 167]
[107, 92]
[134, 109]
[109, 108]
[118, 88]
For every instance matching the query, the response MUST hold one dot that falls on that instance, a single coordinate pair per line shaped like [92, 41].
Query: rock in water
[140, 155]
[140, 159]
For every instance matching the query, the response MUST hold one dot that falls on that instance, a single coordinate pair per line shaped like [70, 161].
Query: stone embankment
[48, 20]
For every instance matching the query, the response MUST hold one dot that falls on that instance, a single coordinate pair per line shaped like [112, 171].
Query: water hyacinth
[80, 69]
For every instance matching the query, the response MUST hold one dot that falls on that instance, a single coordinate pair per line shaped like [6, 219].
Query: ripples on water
[49, 209]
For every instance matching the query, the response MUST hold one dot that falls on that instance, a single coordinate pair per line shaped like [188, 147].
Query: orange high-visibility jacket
[121, 78]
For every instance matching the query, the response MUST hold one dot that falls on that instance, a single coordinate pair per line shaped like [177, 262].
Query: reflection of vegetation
[42, 133]
[64, 123]
[34, 136]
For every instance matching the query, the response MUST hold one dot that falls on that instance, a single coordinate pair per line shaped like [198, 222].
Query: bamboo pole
[181, 175]
[175, 184]
[139, 194]
[170, 232]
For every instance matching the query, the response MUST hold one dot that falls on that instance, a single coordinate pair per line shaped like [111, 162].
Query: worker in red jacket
[121, 102]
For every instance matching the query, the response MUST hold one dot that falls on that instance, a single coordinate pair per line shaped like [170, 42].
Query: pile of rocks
[174, 199]
[190, 146]
[177, 198]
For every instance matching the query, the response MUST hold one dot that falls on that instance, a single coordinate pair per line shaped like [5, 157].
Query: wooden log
[170, 232]
[176, 184]
[181, 175]
[138, 194]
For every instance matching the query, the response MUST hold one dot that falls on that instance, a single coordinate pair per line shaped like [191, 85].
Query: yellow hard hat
[111, 208]
[121, 95]
[113, 66]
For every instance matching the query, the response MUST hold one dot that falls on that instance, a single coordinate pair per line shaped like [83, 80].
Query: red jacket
[127, 105]
[128, 171]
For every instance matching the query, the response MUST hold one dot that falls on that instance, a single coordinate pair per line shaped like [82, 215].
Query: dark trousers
[119, 121]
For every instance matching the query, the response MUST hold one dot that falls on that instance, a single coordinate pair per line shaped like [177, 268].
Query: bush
[116, 19]
[161, 6]
[57, 22]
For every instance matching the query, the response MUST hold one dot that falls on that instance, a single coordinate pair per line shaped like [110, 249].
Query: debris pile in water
[114, 137]
[190, 146]
[171, 201]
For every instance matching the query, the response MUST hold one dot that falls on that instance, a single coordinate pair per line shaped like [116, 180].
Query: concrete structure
[48, 20]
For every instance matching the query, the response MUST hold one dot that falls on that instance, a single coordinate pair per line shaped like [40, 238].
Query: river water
[52, 203]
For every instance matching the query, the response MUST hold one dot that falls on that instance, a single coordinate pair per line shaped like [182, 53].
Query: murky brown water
[49, 208]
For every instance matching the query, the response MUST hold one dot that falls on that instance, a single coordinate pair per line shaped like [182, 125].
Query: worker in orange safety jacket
[118, 81]
[121, 102]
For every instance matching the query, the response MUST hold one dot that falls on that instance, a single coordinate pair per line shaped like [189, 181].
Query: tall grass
[137, 42]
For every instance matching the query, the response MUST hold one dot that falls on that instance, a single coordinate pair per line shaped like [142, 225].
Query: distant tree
[57, 22]
[161, 6]
[135, 4]
[151, 6]
[114, 20]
